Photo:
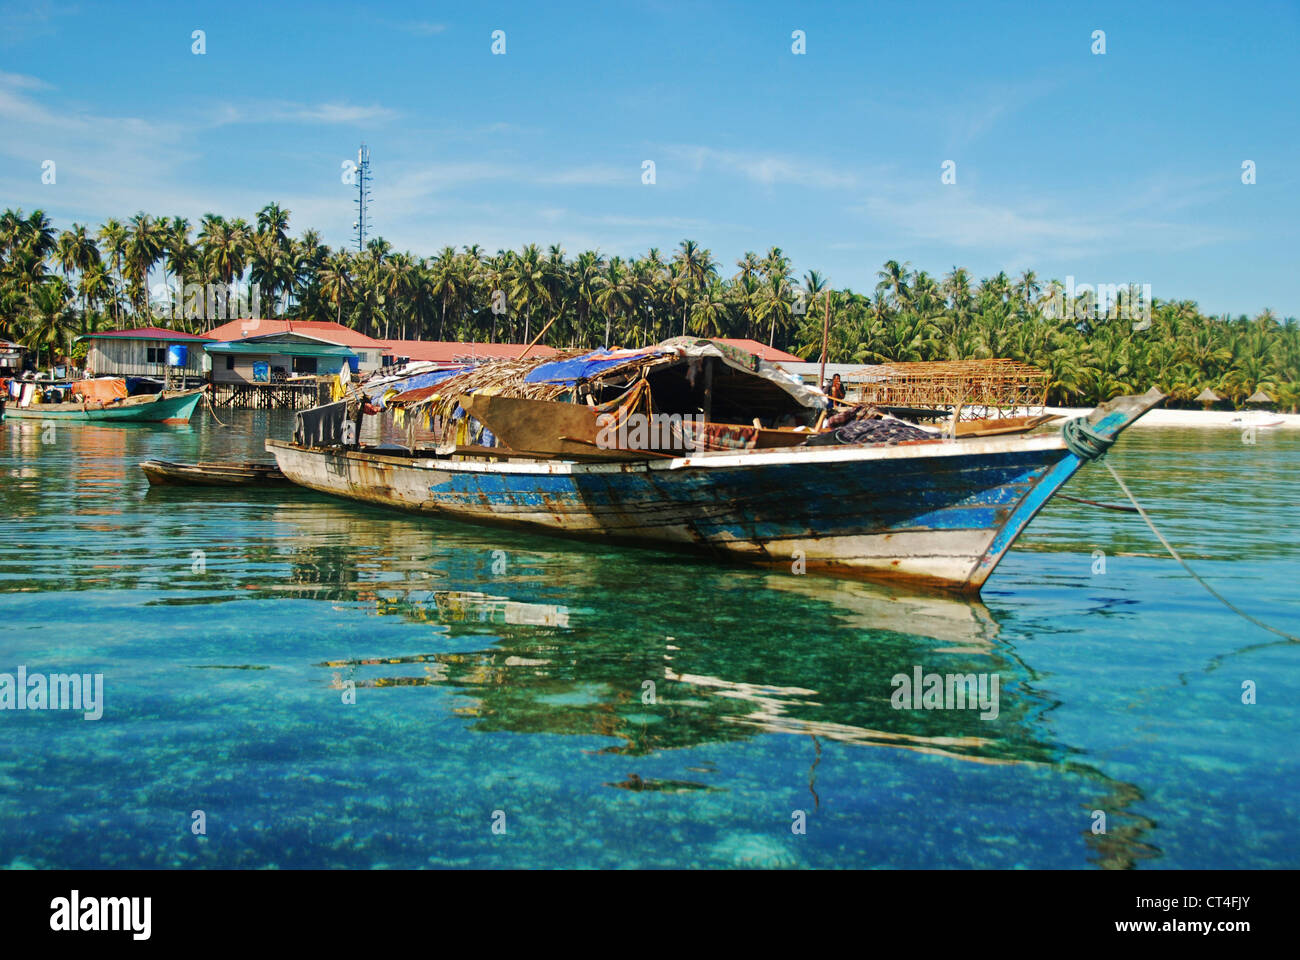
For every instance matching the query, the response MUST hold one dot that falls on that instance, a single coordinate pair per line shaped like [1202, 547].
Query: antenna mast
[363, 196]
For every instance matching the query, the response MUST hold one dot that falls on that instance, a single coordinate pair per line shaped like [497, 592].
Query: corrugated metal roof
[300, 349]
[321, 329]
[143, 333]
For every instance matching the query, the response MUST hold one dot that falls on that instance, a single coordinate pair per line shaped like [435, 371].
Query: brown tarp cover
[104, 390]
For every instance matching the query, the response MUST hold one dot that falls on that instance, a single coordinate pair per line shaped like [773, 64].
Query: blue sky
[1119, 168]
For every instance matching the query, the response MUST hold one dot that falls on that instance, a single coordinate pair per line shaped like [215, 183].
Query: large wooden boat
[149, 408]
[941, 512]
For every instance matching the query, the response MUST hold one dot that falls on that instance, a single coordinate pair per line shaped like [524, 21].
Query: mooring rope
[1174, 553]
[212, 409]
[1094, 503]
[1083, 441]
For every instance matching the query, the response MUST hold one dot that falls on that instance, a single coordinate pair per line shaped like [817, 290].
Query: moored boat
[935, 511]
[165, 407]
[1259, 419]
[221, 474]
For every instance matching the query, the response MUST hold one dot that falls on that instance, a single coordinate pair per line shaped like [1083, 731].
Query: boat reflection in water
[574, 642]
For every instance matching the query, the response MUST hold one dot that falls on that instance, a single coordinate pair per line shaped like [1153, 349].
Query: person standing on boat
[835, 390]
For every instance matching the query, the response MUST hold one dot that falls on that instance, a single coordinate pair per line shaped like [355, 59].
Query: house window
[230, 361]
[154, 355]
[304, 365]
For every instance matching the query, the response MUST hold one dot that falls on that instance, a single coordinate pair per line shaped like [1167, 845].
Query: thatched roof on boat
[577, 372]
[502, 376]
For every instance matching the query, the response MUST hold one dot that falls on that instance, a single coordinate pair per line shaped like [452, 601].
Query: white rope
[1174, 553]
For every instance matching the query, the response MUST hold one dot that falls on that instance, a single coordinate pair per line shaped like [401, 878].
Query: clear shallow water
[519, 688]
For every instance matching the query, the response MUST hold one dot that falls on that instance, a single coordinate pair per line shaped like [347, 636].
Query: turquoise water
[497, 671]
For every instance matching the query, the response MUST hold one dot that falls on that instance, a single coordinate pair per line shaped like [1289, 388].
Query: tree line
[55, 285]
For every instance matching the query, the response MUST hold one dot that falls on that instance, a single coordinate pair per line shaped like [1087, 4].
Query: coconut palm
[893, 280]
[528, 284]
[49, 320]
[614, 293]
[336, 281]
[144, 247]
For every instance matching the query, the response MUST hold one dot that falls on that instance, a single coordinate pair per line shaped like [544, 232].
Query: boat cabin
[11, 358]
[680, 395]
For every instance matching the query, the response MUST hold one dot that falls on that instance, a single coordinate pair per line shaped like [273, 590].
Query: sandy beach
[1224, 419]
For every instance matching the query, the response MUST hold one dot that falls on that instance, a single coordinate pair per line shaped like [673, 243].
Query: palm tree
[775, 307]
[114, 237]
[143, 249]
[1027, 289]
[698, 269]
[77, 251]
[97, 286]
[273, 223]
[180, 255]
[528, 288]
[712, 311]
[336, 281]
[585, 285]
[893, 279]
[49, 321]
[446, 276]
[615, 293]
[39, 235]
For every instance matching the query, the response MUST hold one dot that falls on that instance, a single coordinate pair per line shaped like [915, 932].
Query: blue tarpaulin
[568, 372]
[413, 383]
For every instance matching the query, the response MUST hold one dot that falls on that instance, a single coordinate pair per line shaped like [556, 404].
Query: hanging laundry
[321, 426]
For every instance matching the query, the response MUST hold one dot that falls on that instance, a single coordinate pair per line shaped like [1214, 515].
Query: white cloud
[592, 175]
[767, 169]
[286, 112]
[22, 81]
[422, 28]
[1028, 229]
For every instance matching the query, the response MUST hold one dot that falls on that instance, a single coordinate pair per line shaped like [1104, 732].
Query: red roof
[326, 330]
[445, 351]
[762, 349]
[144, 333]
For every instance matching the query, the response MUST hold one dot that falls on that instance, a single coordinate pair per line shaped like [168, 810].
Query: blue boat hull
[942, 513]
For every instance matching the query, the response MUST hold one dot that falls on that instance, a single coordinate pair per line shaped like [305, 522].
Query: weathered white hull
[665, 502]
[937, 512]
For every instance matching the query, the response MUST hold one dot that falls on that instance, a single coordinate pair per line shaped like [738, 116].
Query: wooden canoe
[211, 474]
[996, 426]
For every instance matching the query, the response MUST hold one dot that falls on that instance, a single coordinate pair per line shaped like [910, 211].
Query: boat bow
[1086, 438]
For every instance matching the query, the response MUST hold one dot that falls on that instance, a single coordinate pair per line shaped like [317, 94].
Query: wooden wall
[129, 358]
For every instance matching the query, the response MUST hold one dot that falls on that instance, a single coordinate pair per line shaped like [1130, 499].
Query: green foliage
[592, 300]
